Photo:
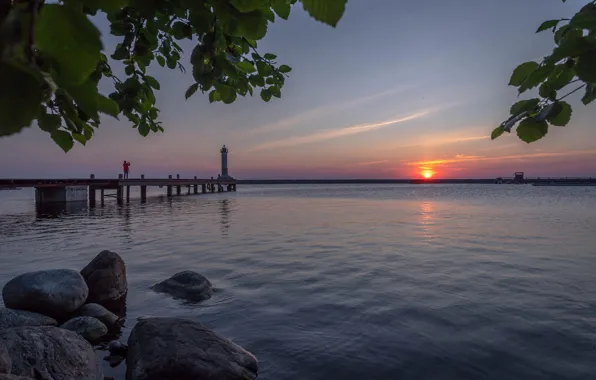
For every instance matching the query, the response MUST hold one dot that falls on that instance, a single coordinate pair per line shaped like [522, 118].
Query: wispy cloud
[318, 112]
[464, 158]
[370, 163]
[335, 133]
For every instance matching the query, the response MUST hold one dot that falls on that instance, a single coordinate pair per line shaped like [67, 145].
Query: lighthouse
[224, 162]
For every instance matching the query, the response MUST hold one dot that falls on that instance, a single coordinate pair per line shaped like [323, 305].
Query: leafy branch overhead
[570, 68]
[52, 58]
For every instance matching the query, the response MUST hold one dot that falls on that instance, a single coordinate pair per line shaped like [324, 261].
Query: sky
[398, 89]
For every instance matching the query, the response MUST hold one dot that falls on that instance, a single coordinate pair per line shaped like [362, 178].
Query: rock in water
[5, 362]
[97, 311]
[187, 285]
[17, 318]
[50, 353]
[118, 348]
[172, 348]
[56, 292]
[88, 327]
[106, 278]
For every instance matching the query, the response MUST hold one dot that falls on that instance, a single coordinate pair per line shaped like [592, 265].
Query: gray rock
[56, 292]
[172, 348]
[5, 361]
[16, 318]
[114, 360]
[106, 278]
[13, 377]
[187, 285]
[88, 327]
[117, 348]
[97, 311]
[50, 353]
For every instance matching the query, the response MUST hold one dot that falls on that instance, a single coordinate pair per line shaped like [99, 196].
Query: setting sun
[427, 174]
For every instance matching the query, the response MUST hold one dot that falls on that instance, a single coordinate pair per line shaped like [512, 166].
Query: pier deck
[83, 189]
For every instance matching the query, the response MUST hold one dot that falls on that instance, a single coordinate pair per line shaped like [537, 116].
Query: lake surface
[353, 282]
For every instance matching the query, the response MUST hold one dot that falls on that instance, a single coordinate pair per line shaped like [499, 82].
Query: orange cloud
[464, 158]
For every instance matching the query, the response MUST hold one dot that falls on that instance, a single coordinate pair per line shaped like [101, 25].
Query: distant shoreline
[486, 181]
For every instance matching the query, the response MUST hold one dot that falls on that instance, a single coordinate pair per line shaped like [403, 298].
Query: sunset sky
[399, 87]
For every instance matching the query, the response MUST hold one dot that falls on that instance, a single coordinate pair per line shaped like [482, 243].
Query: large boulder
[5, 362]
[88, 327]
[16, 318]
[55, 292]
[106, 277]
[97, 311]
[172, 348]
[187, 285]
[50, 353]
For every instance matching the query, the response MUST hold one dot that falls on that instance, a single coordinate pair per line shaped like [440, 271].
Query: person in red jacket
[125, 166]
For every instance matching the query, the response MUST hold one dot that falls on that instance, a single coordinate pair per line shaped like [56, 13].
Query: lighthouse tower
[224, 162]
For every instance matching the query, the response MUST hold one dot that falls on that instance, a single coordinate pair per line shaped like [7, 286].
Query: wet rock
[16, 318]
[114, 360]
[56, 292]
[187, 285]
[88, 327]
[50, 353]
[5, 361]
[99, 312]
[118, 348]
[172, 348]
[106, 278]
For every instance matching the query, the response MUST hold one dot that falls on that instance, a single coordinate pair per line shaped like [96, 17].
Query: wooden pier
[79, 190]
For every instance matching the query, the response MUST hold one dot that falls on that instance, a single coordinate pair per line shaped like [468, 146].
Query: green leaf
[152, 82]
[246, 6]
[256, 80]
[214, 96]
[265, 94]
[63, 139]
[497, 132]
[522, 72]
[107, 106]
[252, 25]
[71, 39]
[269, 56]
[282, 8]
[264, 68]
[536, 77]
[285, 69]
[585, 18]
[327, 11]
[144, 128]
[227, 93]
[85, 95]
[161, 60]
[586, 67]
[80, 138]
[524, 105]
[550, 24]
[275, 91]
[246, 66]
[560, 115]
[590, 94]
[530, 130]
[49, 123]
[20, 99]
[547, 91]
[191, 90]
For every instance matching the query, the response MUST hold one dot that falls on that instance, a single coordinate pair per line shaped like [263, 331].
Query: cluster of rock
[53, 317]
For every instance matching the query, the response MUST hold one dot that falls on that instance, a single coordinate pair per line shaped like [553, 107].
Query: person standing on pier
[125, 166]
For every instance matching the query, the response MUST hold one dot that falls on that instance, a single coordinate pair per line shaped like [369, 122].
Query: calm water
[353, 282]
